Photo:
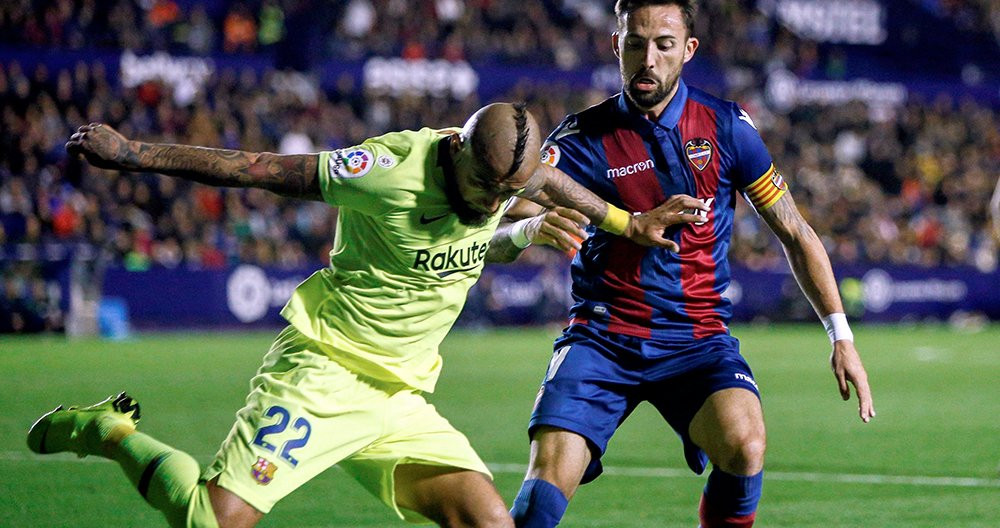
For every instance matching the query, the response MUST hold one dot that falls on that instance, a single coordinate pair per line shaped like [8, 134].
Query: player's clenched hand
[101, 145]
[847, 367]
[559, 227]
[647, 229]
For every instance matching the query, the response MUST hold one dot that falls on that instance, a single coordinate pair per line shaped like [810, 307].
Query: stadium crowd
[908, 188]
[560, 32]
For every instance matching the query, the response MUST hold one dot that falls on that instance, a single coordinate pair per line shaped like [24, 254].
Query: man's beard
[646, 100]
[466, 214]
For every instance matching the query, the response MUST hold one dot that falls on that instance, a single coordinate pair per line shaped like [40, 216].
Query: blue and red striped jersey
[702, 146]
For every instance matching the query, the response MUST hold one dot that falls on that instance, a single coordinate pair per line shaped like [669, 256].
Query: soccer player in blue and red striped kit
[651, 324]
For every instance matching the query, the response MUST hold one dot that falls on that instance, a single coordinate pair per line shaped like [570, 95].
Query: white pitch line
[636, 472]
[654, 472]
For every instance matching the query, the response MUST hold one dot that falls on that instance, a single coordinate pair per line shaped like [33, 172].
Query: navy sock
[539, 504]
[730, 500]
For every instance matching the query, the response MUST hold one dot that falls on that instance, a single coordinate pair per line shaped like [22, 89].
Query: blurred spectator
[28, 303]
[272, 24]
[199, 33]
[239, 30]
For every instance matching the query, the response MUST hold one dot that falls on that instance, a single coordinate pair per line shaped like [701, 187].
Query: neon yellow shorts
[306, 413]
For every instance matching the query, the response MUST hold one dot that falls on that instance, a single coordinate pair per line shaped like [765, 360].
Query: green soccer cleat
[82, 430]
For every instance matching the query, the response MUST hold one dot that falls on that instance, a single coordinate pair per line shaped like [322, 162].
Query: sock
[165, 477]
[730, 500]
[539, 504]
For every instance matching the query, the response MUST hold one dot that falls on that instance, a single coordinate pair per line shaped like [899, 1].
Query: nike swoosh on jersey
[444, 274]
[425, 220]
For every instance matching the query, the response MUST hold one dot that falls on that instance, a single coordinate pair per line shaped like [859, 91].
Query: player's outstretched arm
[293, 176]
[811, 266]
[551, 187]
[527, 223]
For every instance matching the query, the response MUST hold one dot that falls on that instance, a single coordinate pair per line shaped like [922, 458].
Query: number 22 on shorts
[284, 418]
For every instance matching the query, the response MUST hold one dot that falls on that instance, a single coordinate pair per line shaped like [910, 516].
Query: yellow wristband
[615, 221]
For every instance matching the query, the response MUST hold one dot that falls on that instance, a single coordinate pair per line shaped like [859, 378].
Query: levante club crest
[263, 471]
[699, 152]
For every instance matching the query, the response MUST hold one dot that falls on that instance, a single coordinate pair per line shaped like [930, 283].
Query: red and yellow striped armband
[767, 189]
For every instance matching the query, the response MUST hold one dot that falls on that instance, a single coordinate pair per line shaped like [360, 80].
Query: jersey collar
[671, 114]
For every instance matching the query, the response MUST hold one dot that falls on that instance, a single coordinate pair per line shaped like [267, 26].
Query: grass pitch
[930, 458]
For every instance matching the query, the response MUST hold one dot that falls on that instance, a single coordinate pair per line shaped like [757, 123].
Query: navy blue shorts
[596, 379]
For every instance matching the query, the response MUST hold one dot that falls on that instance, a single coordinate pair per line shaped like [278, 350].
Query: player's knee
[493, 516]
[229, 510]
[745, 455]
[496, 516]
[560, 458]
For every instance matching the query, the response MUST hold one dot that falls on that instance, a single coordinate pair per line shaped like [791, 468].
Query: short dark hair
[689, 8]
[481, 146]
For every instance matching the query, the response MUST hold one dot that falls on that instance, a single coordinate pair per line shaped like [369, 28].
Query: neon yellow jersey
[401, 265]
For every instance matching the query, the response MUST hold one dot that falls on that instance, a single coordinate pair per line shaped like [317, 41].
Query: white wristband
[517, 236]
[837, 327]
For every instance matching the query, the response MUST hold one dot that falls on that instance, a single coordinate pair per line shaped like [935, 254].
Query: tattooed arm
[811, 267]
[294, 176]
[550, 187]
[806, 255]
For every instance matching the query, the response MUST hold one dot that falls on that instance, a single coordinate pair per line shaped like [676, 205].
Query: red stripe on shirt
[698, 266]
[629, 312]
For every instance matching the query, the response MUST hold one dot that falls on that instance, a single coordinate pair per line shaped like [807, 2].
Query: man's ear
[689, 48]
[614, 45]
[455, 144]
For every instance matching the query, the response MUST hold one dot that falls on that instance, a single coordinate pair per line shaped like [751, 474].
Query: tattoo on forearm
[563, 191]
[293, 176]
[786, 220]
[806, 255]
[502, 248]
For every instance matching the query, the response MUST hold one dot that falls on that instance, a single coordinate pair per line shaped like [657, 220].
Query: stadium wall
[248, 296]
[490, 79]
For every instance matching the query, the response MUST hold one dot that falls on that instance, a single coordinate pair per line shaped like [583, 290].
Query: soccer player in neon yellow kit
[342, 384]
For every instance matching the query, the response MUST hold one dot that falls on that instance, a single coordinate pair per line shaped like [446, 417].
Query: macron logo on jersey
[743, 377]
[618, 172]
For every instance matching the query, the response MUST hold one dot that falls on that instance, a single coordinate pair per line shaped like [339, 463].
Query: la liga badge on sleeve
[350, 163]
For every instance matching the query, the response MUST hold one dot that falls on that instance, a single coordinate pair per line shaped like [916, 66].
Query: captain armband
[766, 190]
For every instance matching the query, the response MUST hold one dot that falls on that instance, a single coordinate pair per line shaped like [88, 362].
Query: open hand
[647, 229]
[847, 367]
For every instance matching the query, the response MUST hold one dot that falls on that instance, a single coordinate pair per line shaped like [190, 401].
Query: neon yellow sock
[166, 477]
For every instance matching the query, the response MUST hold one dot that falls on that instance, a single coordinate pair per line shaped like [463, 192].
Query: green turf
[936, 393]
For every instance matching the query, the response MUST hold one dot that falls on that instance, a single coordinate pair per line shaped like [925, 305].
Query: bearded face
[652, 45]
